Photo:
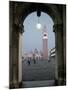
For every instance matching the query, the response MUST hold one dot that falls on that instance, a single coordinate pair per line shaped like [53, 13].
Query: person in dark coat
[28, 62]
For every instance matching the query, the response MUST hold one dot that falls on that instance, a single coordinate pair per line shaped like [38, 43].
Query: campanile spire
[45, 43]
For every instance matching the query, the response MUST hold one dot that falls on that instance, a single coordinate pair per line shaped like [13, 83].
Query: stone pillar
[15, 30]
[13, 58]
[20, 54]
[59, 69]
[15, 37]
[64, 39]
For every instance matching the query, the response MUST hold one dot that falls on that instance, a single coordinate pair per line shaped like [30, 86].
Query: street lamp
[38, 25]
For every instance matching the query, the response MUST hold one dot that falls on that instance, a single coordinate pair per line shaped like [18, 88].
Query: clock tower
[45, 44]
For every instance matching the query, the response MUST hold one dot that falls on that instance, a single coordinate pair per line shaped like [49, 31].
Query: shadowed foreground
[38, 74]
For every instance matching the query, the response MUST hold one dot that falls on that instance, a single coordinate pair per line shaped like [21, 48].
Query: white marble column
[20, 54]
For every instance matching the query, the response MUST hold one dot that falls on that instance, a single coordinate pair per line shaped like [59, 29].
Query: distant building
[33, 55]
[45, 44]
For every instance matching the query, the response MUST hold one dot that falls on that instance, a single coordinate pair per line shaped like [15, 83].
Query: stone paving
[38, 74]
[41, 70]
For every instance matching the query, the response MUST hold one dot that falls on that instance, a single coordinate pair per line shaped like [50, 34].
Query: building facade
[33, 55]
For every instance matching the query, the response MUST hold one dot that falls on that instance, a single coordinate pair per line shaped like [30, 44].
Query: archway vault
[24, 9]
[18, 12]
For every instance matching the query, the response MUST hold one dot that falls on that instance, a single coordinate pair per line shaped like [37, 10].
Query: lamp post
[38, 15]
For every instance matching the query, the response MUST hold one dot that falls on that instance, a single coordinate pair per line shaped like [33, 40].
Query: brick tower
[45, 44]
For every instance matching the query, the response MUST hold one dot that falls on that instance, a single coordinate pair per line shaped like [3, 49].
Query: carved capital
[18, 28]
[21, 28]
[58, 28]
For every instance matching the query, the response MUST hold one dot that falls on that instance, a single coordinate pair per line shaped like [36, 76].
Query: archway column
[14, 57]
[21, 30]
[59, 67]
[15, 54]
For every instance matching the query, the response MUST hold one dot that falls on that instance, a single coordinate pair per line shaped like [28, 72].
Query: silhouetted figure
[34, 61]
[34, 58]
[28, 62]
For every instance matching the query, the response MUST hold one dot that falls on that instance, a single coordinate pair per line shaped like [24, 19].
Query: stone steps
[29, 84]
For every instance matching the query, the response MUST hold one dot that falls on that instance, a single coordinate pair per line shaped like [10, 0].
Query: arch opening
[45, 21]
[33, 43]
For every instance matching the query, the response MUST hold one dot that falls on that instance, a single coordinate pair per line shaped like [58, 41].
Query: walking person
[28, 62]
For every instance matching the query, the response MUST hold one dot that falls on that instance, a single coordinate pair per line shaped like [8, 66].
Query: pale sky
[33, 37]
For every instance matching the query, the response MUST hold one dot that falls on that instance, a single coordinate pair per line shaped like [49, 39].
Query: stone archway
[18, 12]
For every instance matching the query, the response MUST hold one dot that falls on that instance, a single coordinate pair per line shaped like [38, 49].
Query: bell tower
[45, 43]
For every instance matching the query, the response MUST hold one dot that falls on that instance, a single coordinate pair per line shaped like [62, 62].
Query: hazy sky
[33, 37]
